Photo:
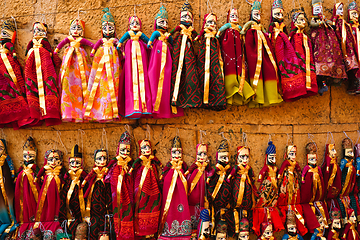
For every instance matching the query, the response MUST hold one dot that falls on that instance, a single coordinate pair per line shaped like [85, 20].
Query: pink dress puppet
[13, 104]
[48, 205]
[101, 100]
[175, 220]
[266, 206]
[304, 51]
[26, 192]
[290, 74]
[347, 42]
[199, 172]
[122, 190]
[74, 72]
[312, 189]
[136, 86]
[160, 65]
[146, 191]
[42, 90]
[237, 90]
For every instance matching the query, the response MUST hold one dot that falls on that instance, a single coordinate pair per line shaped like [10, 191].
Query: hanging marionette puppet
[357, 158]
[72, 207]
[262, 68]
[210, 66]
[98, 194]
[289, 188]
[42, 89]
[304, 51]
[175, 211]
[350, 232]
[219, 190]
[26, 192]
[292, 231]
[333, 233]
[237, 90]
[319, 232]
[7, 175]
[244, 189]
[348, 171]
[48, 205]
[244, 229]
[146, 191]
[267, 230]
[328, 57]
[331, 173]
[122, 189]
[353, 18]
[136, 89]
[13, 104]
[74, 72]
[290, 75]
[101, 99]
[221, 227]
[160, 64]
[204, 228]
[185, 89]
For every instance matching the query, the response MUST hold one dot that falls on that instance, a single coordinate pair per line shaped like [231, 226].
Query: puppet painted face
[223, 157]
[75, 163]
[145, 148]
[300, 21]
[205, 230]
[349, 152]
[291, 228]
[201, 155]
[176, 154]
[278, 14]
[76, 30]
[352, 218]
[53, 160]
[101, 159]
[243, 157]
[271, 158]
[292, 153]
[39, 31]
[321, 222]
[2, 148]
[336, 224]
[124, 150]
[108, 29]
[210, 22]
[256, 15]
[29, 157]
[186, 17]
[244, 236]
[6, 34]
[317, 9]
[268, 233]
[312, 159]
[221, 236]
[340, 10]
[134, 24]
[354, 16]
[332, 151]
[233, 16]
[162, 23]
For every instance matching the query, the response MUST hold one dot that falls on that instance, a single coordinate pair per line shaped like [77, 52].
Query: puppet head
[29, 152]
[298, 19]
[256, 11]
[243, 155]
[145, 147]
[8, 30]
[317, 8]
[162, 19]
[331, 150]
[108, 24]
[176, 150]
[75, 159]
[266, 230]
[222, 154]
[186, 16]
[221, 227]
[2, 147]
[39, 30]
[124, 145]
[77, 28]
[81, 231]
[335, 218]
[291, 223]
[244, 229]
[134, 24]
[233, 16]
[271, 154]
[210, 21]
[277, 11]
[348, 148]
[351, 215]
[353, 14]
[321, 221]
[101, 157]
[201, 152]
[338, 9]
[311, 153]
[53, 158]
[291, 153]
[204, 225]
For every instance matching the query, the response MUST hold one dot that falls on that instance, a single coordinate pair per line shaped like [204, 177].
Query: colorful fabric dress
[101, 100]
[137, 93]
[74, 75]
[177, 222]
[13, 104]
[332, 175]
[42, 86]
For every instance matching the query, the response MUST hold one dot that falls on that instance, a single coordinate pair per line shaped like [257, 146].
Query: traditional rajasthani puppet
[319, 232]
[350, 233]
[210, 66]
[331, 173]
[335, 225]
[122, 189]
[160, 65]
[303, 50]
[146, 191]
[328, 57]
[72, 207]
[244, 233]
[204, 228]
[357, 158]
[289, 188]
[221, 227]
[74, 72]
[312, 189]
[13, 106]
[290, 75]
[136, 90]
[26, 192]
[219, 190]
[348, 171]
[185, 88]
[7, 175]
[237, 90]
[101, 100]
[353, 18]
[98, 194]
[175, 220]
[244, 189]
[344, 35]
[261, 66]
[199, 171]
[292, 232]
[267, 232]
[48, 205]
[42, 90]
[268, 193]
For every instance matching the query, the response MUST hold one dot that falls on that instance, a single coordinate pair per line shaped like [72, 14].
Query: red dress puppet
[335, 227]
[26, 192]
[353, 18]
[266, 231]
[331, 173]
[175, 221]
[146, 191]
[350, 232]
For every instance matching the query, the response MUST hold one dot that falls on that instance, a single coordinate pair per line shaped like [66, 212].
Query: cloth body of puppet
[237, 90]
[289, 71]
[353, 19]
[331, 174]
[74, 74]
[288, 237]
[348, 177]
[346, 39]
[350, 232]
[318, 234]
[332, 234]
[42, 86]
[8, 221]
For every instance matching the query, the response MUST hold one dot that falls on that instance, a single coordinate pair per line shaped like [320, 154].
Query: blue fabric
[271, 149]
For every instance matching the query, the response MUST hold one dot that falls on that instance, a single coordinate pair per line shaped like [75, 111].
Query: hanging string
[135, 10]
[59, 136]
[289, 140]
[177, 132]
[311, 139]
[330, 136]
[64, 226]
[78, 13]
[104, 139]
[208, 4]
[348, 137]
[357, 140]
[148, 133]
[244, 139]
[270, 136]
[202, 132]
[232, 4]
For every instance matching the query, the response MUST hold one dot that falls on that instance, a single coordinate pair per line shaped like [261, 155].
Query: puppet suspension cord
[202, 132]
